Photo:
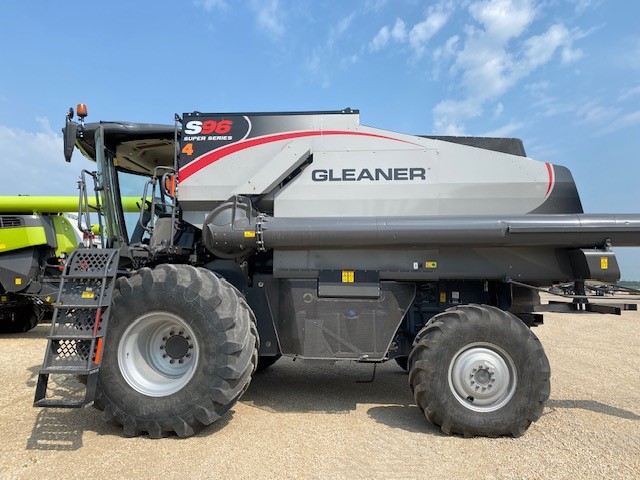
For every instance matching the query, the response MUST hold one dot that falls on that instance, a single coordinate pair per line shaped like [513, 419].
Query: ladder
[79, 325]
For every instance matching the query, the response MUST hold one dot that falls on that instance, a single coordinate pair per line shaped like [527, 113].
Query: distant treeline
[630, 284]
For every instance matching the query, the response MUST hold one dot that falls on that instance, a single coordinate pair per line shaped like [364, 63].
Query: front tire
[181, 348]
[478, 370]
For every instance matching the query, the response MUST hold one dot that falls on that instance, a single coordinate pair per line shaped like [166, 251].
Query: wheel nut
[164, 356]
[181, 361]
[172, 333]
[161, 347]
[180, 332]
[172, 361]
[188, 355]
[164, 339]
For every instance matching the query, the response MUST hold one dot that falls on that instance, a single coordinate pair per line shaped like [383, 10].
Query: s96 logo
[208, 127]
[204, 133]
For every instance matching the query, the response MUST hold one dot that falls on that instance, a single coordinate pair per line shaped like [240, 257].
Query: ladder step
[56, 403]
[72, 346]
[76, 336]
[67, 370]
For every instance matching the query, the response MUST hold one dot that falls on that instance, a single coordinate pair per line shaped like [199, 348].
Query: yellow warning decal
[249, 234]
[348, 276]
[88, 294]
[604, 263]
[18, 281]
[443, 297]
[3, 298]
[431, 264]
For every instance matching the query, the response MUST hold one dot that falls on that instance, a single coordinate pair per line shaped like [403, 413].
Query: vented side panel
[7, 221]
[340, 328]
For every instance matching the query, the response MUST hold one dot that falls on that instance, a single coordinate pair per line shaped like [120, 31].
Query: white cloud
[570, 55]
[399, 30]
[422, 32]
[503, 19]
[630, 92]
[350, 59]
[504, 131]
[448, 49]
[539, 49]
[582, 6]
[269, 16]
[36, 162]
[536, 88]
[448, 113]
[552, 106]
[380, 40]
[336, 31]
[497, 54]
[419, 35]
[624, 121]
[498, 110]
[595, 113]
[375, 5]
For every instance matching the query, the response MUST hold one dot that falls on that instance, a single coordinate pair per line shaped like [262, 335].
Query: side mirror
[69, 133]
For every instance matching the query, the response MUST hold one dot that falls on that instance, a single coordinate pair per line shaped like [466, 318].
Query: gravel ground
[303, 421]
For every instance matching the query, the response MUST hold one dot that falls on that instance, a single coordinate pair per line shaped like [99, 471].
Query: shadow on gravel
[593, 406]
[405, 417]
[61, 429]
[300, 388]
[293, 387]
[56, 430]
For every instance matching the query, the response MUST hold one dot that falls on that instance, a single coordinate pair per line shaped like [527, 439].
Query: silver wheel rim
[482, 377]
[158, 354]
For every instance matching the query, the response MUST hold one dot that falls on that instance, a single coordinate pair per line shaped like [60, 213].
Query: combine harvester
[311, 236]
[35, 238]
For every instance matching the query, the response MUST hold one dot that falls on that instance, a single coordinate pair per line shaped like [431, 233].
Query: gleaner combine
[311, 236]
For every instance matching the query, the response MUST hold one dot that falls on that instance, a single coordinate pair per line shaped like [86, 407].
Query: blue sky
[563, 75]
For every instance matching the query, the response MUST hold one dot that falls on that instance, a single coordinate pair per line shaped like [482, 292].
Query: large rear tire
[478, 370]
[181, 348]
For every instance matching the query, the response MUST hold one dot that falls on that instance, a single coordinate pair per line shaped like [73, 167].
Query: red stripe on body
[551, 178]
[215, 155]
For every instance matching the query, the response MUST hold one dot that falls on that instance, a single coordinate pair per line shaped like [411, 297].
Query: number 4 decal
[188, 149]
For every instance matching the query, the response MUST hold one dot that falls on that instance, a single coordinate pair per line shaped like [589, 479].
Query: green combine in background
[35, 236]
